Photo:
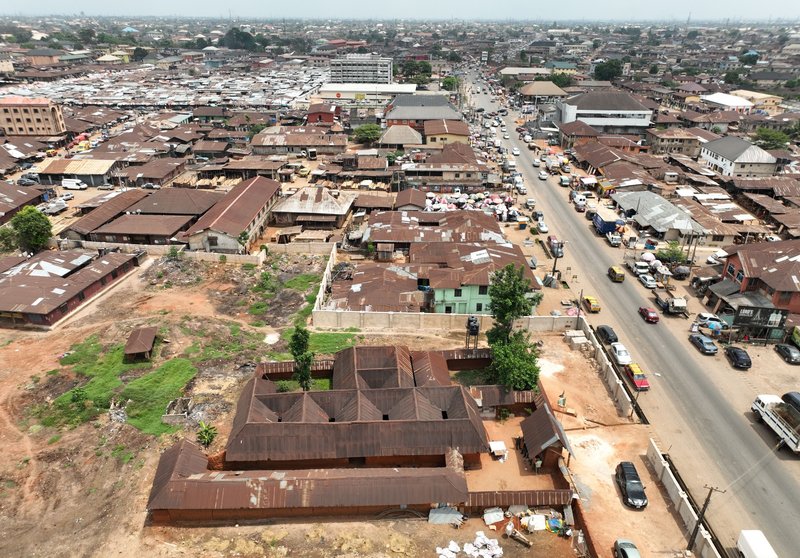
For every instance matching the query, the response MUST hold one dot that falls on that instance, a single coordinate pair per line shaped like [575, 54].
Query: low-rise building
[295, 142]
[673, 140]
[235, 221]
[762, 102]
[414, 110]
[314, 207]
[442, 132]
[606, 111]
[13, 198]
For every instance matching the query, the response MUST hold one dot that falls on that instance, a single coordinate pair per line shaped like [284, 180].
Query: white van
[73, 184]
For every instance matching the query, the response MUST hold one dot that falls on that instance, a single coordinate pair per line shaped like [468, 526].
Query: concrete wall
[319, 248]
[257, 259]
[152, 249]
[704, 547]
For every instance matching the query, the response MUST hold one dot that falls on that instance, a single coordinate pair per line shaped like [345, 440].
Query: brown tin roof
[141, 340]
[234, 212]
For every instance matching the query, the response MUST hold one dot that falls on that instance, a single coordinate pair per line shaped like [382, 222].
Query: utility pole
[701, 515]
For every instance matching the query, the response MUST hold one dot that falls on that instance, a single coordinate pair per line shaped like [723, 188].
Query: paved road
[732, 454]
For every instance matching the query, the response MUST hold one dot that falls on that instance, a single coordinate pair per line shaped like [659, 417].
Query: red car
[648, 314]
[637, 377]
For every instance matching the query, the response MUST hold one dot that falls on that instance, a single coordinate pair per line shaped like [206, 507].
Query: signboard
[796, 336]
[754, 316]
[360, 96]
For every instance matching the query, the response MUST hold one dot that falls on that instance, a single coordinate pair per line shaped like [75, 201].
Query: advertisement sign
[754, 316]
[796, 336]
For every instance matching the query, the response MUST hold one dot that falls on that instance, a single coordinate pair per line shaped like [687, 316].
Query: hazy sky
[587, 10]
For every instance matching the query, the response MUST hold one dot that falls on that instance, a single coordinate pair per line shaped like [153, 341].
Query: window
[448, 309]
[479, 307]
[81, 296]
[717, 238]
[785, 297]
[433, 140]
[457, 293]
[483, 290]
[212, 240]
[731, 270]
[740, 277]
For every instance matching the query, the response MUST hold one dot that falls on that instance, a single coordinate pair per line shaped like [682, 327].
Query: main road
[712, 441]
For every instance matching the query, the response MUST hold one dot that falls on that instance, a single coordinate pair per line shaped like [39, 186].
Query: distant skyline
[576, 10]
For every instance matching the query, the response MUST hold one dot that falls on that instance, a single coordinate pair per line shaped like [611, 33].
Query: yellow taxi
[592, 304]
[616, 274]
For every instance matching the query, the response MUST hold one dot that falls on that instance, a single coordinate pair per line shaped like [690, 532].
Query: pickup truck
[614, 239]
[671, 304]
[638, 268]
[782, 418]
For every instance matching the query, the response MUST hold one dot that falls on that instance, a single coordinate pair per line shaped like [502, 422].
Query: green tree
[693, 34]
[206, 434]
[368, 133]
[8, 239]
[561, 79]
[138, 54]
[748, 59]
[508, 301]
[237, 39]
[454, 56]
[653, 70]
[298, 342]
[450, 83]
[86, 36]
[672, 253]
[32, 227]
[607, 71]
[523, 57]
[771, 139]
[410, 68]
[515, 363]
[302, 370]
[732, 77]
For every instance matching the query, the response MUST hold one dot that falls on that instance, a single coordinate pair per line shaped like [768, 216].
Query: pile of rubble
[481, 547]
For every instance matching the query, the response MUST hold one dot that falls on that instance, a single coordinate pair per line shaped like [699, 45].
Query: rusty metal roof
[158, 225]
[353, 423]
[368, 367]
[107, 211]
[177, 201]
[530, 498]
[542, 430]
[237, 209]
[430, 369]
[183, 481]
[422, 226]
[141, 340]
[79, 167]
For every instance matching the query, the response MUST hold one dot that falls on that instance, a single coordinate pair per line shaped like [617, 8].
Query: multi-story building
[673, 140]
[361, 68]
[606, 111]
[732, 156]
[23, 116]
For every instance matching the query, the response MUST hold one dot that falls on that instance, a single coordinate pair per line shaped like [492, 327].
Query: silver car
[648, 281]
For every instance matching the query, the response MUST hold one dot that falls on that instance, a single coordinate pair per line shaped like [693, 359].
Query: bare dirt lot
[73, 482]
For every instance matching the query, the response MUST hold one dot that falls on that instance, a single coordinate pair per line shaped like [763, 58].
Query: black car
[606, 334]
[738, 357]
[631, 485]
[789, 353]
[25, 182]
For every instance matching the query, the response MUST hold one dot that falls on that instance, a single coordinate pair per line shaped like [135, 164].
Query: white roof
[392, 88]
[727, 100]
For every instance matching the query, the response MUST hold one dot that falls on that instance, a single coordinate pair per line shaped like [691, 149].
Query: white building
[724, 101]
[732, 156]
[361, 68]
[606, 111]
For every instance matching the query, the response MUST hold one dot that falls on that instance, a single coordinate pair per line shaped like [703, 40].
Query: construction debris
[481, 547]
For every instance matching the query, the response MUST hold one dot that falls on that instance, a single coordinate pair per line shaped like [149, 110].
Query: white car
[620, 354]
[506, 136]
[542, 175]
[514, 151]
[537, 163]
[648, 281]
[66, 196]
[542, 227]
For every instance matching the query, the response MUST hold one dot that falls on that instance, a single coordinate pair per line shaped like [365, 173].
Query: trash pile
[481, 547]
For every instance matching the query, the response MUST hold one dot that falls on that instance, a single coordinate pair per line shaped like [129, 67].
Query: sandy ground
[71, 496]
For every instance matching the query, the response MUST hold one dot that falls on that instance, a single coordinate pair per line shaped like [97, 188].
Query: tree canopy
[303, 358]
[771, 139]
[235, 38]
[672, 253]
[515, 363]
[368, 133]
[450, 83]
[560, 79]
[607, 71]
[33, 228]
[508, 301]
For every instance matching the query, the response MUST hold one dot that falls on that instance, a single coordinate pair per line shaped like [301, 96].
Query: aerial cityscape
[423, 279]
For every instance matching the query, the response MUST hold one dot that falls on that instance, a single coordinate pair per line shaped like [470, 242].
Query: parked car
[66, 196]
[706, 319]
[631, 485]
[704, 344]
[606, 334]
[515, 151]
[738, 357]
[537, 163]
[648, 281]
[648, 314]
[542, 227]
[151, 186]
[620, 354]
[789, 353]
[637, 377]
[506, 136]
[542, 175]
[623, 548]
[106, 186]
[26, 182]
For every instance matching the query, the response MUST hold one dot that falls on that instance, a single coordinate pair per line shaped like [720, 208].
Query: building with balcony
[361, 68]
[31, 116]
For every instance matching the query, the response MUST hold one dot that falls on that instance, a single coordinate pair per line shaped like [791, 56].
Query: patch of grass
[151, 393]
[83, 403]
[54, 439]
[267, 284]
[192, 349]
[257, 323]
[322, 384]
[258, 308]
[472, 377]
[249, 266]
[234, 329]
[302, 282]
[329, 343]
[278, 356]
[121, 454]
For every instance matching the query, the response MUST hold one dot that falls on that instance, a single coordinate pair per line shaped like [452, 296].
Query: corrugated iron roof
[141, 340]
[107, 211]
[80, 167]
[541, 430]
[237, 209]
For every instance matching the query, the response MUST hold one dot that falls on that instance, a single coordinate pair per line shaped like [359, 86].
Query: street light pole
[701, 515]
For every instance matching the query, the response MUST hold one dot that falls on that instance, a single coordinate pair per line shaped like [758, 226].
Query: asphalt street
[712, 442]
